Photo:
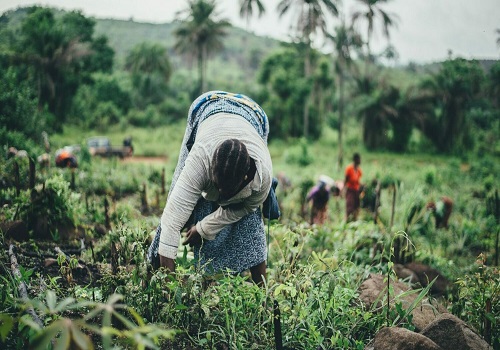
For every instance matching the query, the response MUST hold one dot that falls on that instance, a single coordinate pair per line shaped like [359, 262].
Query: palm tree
[150, 68]
[200, 34]
[375, 104]
[147, 58]
[371, 12]
[246, 12]
[247, 8]
[56, 50]
[312, 16]
[453, 90]
[345, 40]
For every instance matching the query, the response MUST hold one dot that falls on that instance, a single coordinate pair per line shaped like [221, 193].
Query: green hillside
[240, 58]
[242, 49]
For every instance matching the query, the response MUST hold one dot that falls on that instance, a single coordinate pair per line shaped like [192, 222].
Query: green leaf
[63, 304]
[6, 325]
[278, 289]
[137, 317]
[26, 320]
[63, 342]
[44, 338]
[491, 317]
[114, 299]
[180, 307]
[106, 323]
[109, 331]
[82, 340]
[51, 300]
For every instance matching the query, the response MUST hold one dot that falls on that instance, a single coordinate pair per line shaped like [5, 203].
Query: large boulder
[374, 289]
[395, 338]
[451, 333]
[427, 274]
[16, 230]
[405, 274]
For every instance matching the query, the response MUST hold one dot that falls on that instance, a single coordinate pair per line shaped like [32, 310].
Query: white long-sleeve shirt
[194, 181]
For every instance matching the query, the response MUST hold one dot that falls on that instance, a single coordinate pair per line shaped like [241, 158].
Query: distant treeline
[62, 67]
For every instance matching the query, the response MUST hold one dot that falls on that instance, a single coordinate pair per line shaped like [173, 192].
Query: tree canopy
[60, 54]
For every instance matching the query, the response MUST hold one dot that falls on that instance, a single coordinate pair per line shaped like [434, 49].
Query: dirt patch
[140, 159]
[464, 167]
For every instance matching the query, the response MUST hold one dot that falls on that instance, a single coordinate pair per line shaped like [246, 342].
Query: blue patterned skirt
[241, 245]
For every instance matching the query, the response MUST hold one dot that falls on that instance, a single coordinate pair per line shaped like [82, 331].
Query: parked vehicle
[101, 146]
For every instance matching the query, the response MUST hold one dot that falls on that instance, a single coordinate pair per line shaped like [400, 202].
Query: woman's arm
[213, 223]
[181, 202]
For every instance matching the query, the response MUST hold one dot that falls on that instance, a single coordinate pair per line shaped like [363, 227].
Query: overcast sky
[427, 29]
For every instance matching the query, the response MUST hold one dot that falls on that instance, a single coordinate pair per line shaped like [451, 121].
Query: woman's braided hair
[230, 163]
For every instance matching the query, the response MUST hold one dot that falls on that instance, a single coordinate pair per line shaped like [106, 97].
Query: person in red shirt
[352, 176]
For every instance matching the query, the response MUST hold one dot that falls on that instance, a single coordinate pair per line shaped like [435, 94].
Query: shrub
[147, 118]
[478, 300]
[299, 154]
[105, 115]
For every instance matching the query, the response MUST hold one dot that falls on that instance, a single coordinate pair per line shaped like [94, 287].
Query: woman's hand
[168, 263]
[192, 237]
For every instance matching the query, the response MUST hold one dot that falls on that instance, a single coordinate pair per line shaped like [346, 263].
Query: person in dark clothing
[319, 196]
[65, 159]
[442, 210]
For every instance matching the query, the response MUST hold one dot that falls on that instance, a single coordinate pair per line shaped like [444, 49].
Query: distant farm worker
[442, 210]
[352, 184]
[285, 182]
[65, 159]
[127, 146]
[44, 160]
[318, 196]
[223, 176]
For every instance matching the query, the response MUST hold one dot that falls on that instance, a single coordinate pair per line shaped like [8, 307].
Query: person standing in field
[352, 184]
[223, 176]
[319, 196]
[442, 210]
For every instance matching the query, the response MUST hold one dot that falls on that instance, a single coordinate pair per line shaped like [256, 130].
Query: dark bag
[270, 207]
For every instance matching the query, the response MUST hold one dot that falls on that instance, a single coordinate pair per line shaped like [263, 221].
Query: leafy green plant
[47, 207]
[300, 154]
[478, 300]
[66, 267]
[70, 324]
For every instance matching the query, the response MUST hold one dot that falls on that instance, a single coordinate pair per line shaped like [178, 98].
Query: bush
[19, 140]
[478, 300]
[299, 154]
[47, 207]
[173, 110]
[105, 115]
[430, 177]
[147, 118]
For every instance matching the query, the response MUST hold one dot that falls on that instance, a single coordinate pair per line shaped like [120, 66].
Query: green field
[309, 266]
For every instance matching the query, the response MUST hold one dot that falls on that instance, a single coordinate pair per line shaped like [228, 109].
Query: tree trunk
[340, 159]
[200, 72]
[21, 288]
[307, 72]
